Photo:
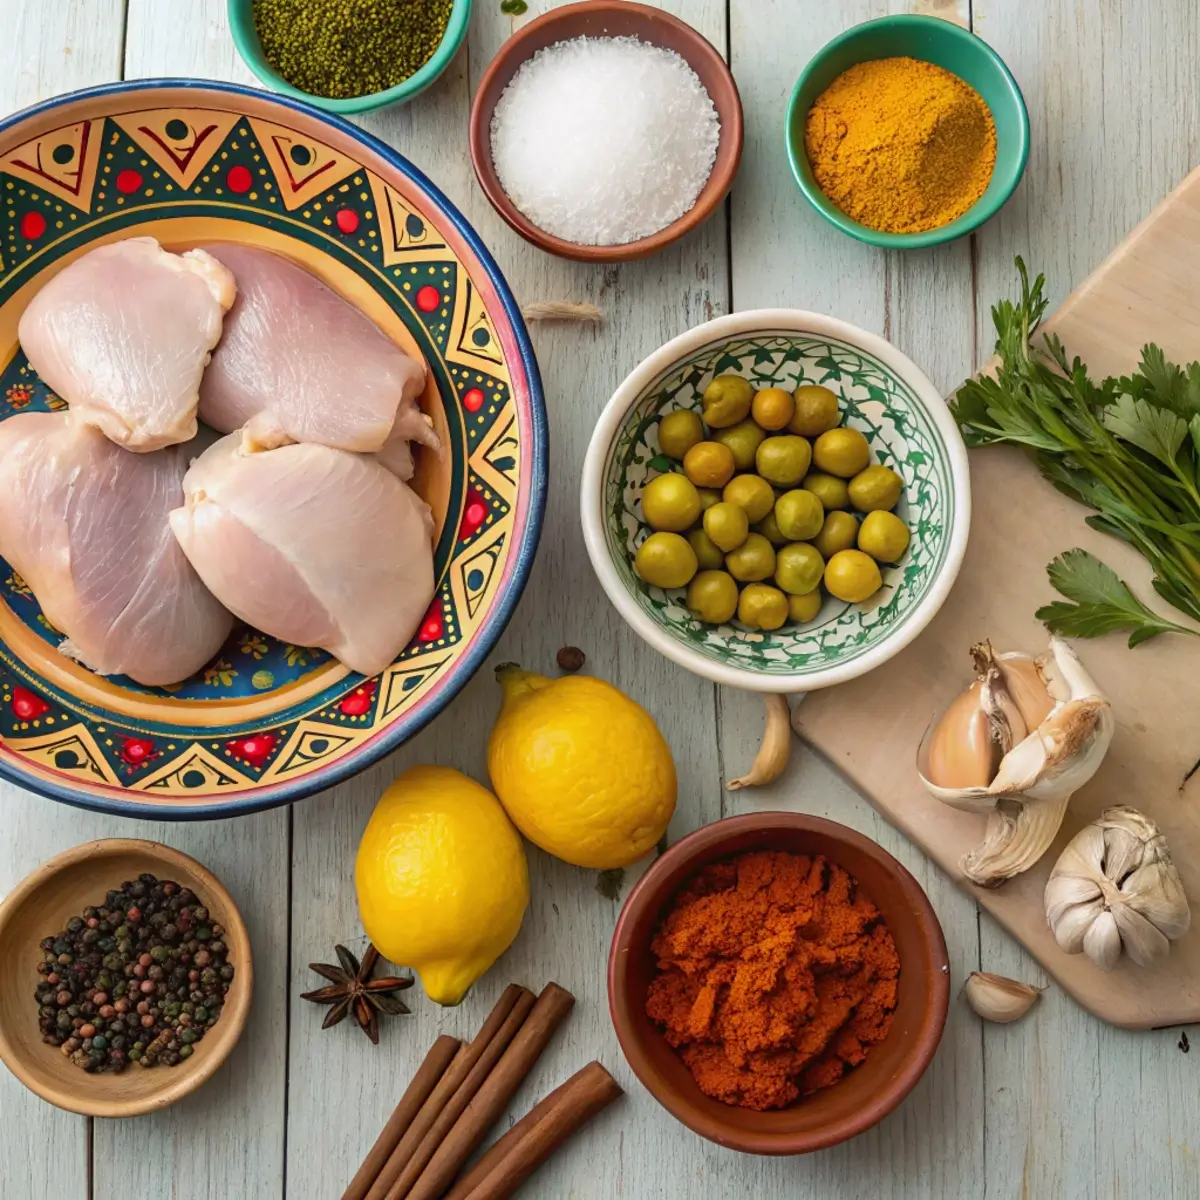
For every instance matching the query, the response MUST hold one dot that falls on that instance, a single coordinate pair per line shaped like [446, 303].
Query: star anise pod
[354, 991]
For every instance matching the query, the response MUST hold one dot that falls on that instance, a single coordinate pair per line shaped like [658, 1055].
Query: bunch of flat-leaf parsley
[1128, 448]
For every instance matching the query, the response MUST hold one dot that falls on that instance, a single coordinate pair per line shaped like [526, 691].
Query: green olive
[799, 515]
[852, 576]
[678, 432]
[798, 568]
[752, 493]
[802, 609]
[783, 460]
[875, 489]
[707, 554]
[842, 451]
[726, 525]
[753, 560]
[769, 528]
[762, 607]
[743, 439]
[727, 401]
[671, 503]
[829, 489]
[713, 596]
[708, 464]
[665, 560]
[816, 410]
[772, 408]
[839, 532]
[708, 497]
[883, 536]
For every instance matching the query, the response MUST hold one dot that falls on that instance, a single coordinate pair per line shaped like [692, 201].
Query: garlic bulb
[997, 998]
[1115, 888]
[1026, 735]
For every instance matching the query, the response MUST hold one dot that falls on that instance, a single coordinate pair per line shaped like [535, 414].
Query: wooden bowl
[866, 1094]
[609, 18]
[40, 905]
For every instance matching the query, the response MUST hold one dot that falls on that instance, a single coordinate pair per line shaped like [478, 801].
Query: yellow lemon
[441, 878]
[582, 770]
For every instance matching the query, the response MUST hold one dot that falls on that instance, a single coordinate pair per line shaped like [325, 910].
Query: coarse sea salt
[602, 141]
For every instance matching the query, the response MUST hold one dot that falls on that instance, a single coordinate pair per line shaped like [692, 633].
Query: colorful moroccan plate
[883, 394]
[191, 162]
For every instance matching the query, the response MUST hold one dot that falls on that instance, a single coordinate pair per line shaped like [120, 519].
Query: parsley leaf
[1156, 430]
[1103, 602]
[514, 8]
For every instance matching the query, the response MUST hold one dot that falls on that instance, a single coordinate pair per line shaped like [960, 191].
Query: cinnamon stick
[536, 1136]
[423, 1082]
[467, 1056]
[459, 1141]
[453, 1108]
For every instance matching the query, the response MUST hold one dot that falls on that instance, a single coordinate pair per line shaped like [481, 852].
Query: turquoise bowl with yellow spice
[933, 40]
[246, 39]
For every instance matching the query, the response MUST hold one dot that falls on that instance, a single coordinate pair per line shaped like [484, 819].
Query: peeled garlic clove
[1102, 941]
[961, 752]
[774, 751]
[996, 998]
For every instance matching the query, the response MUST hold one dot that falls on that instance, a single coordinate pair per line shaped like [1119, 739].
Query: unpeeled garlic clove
[775, 750]
[1029, 791]
[1027, 686]
[961, 752]
[996, 998]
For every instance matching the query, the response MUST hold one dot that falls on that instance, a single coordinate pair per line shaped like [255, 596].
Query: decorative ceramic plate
[265, 722]
[881, 393]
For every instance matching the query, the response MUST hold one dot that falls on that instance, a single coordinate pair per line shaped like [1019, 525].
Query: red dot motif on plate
[358, 702]
[136, 751]
[27, 705]
[128, 180]
[473, 400]
[33, 225]
[428, 298]
[347, 220]
[239, 179]
[474, 514]
[433, 627]
[255, 749]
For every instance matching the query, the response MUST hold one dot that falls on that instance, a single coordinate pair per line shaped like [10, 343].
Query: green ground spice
[344, 48]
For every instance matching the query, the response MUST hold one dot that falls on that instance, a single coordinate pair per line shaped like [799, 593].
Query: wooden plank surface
[1057, 1106]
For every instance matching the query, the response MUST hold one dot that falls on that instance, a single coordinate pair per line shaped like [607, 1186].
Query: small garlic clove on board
[1115, 890]
[997, 998]
[1027, 796]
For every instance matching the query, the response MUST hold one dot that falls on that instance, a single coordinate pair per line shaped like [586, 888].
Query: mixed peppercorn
[139, 978]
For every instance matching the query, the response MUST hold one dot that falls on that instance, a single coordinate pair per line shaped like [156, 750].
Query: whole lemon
[441, 879]
[582, 770]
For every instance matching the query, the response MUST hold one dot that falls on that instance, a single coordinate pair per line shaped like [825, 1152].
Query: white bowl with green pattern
[909, 428]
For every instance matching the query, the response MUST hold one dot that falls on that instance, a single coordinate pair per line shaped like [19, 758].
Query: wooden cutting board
[1147, 290]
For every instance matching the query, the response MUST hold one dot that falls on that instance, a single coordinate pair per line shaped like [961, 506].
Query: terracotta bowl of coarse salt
[604, 131]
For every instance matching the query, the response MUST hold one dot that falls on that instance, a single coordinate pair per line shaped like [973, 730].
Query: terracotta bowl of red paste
[868, 1092]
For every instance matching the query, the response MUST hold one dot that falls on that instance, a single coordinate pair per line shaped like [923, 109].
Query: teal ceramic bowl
[245, 37]
[931, 40]
[883, 394]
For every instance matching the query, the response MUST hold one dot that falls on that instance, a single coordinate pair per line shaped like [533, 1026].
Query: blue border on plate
[487, 637]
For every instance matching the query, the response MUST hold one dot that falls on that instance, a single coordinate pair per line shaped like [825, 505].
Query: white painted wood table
[1060, 1105]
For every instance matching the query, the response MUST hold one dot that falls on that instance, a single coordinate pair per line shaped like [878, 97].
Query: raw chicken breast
[123, 335]
[85, 524]
[299, 364]
[313, 545]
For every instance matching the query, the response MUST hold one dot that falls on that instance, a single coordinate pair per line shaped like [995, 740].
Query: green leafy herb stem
[1127, 448]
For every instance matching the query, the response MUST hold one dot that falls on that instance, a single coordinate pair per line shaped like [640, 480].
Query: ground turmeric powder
[900, 145]
[776, 977]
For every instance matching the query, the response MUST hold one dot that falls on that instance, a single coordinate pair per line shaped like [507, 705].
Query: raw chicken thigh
[85, 524]
[123, 335]
[312, 545]
[299, 364]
